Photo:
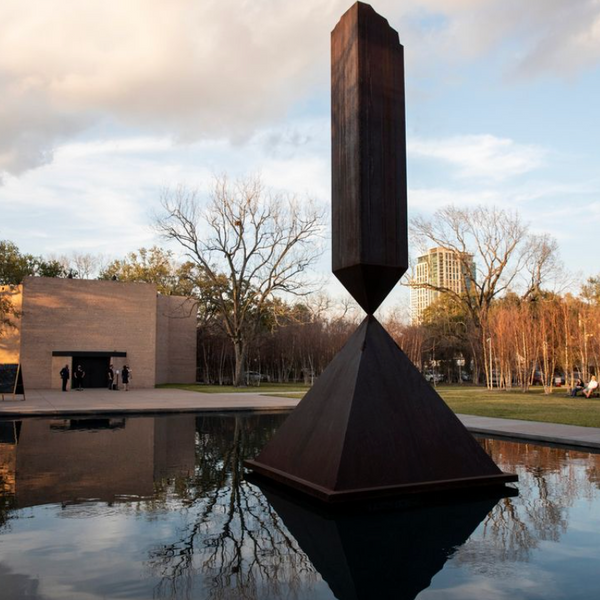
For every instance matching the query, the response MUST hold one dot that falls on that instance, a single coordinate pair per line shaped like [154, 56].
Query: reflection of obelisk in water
[371, 425]
[384, 555]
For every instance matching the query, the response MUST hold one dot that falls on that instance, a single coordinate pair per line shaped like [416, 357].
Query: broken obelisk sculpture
[371, 426]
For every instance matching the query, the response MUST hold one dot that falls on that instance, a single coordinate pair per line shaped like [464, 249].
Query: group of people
[79, 376]
[586, 390]
[113, 378]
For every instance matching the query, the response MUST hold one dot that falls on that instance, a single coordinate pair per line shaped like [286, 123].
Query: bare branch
[259, 243]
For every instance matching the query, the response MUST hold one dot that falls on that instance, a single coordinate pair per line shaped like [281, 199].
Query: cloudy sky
[103, 103]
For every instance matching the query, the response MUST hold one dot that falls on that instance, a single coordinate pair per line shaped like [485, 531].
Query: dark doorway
[9, 432]
[87, 424]
[96, 370]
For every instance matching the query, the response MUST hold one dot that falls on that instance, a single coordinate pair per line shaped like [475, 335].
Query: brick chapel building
[94, 323]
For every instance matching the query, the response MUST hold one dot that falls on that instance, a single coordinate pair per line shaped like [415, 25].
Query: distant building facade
[441, 268]
[94, 323]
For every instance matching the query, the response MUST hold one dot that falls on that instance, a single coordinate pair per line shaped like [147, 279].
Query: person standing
[125, 376]
[78, 376]
[65, 375]
[111, 376]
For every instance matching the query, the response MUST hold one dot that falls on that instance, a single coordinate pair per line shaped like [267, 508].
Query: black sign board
[11, 380]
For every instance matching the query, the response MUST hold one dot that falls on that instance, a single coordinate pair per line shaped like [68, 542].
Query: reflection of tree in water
[9, 434]
[7, 507]
[234, 545]
[594, 472]
[550, 481]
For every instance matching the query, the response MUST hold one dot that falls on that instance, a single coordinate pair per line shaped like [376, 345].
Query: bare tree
[495, 238]
[87, 265]
[496, 254]
[78, 264]
[541, 262]
[250, 244]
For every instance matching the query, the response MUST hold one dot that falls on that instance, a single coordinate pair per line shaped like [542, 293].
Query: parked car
[255, 377]
[433, 377]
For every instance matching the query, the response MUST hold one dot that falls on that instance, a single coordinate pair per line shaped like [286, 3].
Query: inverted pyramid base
[372, 427]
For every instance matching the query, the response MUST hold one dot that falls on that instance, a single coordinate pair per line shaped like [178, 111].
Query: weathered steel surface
[369, 231]
[372, 426]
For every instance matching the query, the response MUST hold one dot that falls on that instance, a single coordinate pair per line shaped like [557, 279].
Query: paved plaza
[160, 400]
[49, 403]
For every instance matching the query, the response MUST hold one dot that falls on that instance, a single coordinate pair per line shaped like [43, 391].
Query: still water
[158, 508]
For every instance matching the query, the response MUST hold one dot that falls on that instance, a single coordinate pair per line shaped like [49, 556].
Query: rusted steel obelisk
[371, 426]
[370, 243]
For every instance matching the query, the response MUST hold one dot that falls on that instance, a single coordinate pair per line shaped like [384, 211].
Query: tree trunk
[206, 366]
[240, 348]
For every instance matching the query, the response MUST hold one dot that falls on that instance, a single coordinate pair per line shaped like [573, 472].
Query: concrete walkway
[99, 401]
[51, 403]
[569, 435]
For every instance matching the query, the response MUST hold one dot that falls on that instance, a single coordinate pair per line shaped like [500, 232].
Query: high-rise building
[440, 268]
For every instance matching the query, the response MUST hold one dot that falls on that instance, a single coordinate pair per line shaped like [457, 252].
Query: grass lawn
[531, 406]
[466, 399]
[229, 389]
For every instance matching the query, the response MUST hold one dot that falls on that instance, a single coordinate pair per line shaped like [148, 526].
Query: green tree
[14, 266]
[154, 265]
[7, 308]
[6, 311]
[590, 290]
[448, 332]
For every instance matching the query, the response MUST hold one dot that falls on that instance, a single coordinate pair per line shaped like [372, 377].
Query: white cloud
[99, 196]
[192, 70]
[558, 37]
[223, 68]
[481, 156]
[91, 198]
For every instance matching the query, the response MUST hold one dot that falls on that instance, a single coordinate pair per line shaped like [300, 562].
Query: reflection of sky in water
[550, 545]
[205, 533]
[102, 553]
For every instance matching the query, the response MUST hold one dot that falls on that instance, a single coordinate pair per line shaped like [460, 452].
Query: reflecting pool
[158, 507]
